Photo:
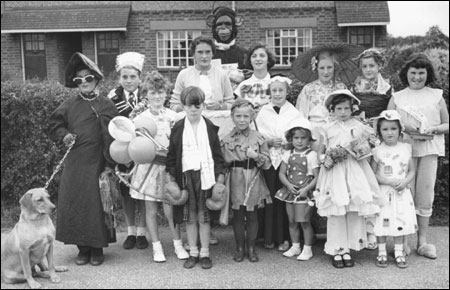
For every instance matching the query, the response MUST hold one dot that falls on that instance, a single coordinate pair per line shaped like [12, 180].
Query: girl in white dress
[347, 191]
[150, 178]
[394, 168]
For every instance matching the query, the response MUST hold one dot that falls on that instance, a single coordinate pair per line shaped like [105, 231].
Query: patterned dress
[398, 215]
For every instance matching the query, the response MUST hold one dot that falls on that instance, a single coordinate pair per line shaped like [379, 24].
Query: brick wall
[11, 57]
[141, 36]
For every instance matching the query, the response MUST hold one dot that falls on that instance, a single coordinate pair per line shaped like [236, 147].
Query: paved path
[134, 269]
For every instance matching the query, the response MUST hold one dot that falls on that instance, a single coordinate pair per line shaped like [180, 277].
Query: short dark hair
[270, 56]
[417, 60]
[341, 99]
[291, 132]
[201, 39]
[384, 119]
[192, 96]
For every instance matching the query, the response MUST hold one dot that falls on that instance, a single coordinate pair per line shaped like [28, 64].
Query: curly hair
[201, 39]
[270, 56]
[417, 60]
[290, 134]
[154, 81]
[372, 52]
[341, 99]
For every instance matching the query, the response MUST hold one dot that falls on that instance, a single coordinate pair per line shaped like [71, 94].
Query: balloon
[146, 122]
[142, 150]
[122, 129]
[119, 152]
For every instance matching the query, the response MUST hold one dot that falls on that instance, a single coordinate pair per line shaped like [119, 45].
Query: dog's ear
[26, 201]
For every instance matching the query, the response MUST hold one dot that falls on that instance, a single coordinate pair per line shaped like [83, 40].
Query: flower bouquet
[336, 154]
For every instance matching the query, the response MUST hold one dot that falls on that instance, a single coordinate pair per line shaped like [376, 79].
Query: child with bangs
[150, 179]
[195, 163]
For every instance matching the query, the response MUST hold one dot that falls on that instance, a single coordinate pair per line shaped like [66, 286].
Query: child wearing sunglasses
[129, 67]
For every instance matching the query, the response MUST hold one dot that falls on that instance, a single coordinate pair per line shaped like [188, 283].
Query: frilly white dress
[350, 185]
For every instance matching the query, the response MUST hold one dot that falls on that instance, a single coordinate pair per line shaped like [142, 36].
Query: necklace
[87, 99]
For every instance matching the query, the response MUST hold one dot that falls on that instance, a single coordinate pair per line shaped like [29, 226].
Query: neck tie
[277, 109]
[131, 100]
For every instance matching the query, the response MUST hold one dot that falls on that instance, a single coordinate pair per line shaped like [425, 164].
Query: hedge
[28, 156]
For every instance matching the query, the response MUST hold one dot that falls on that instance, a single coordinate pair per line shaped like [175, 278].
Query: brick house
[38, 37]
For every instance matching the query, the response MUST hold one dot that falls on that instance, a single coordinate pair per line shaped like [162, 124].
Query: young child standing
[298, 173]
[246, 152]
[195, 162]
[129, 67]
[272, 121]
[150, 179]
[394, 168]
[346, 190]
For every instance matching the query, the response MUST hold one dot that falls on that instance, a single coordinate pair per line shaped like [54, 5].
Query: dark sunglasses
[79, 80]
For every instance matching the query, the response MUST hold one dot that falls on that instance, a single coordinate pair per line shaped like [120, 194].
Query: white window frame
[161, 50]
[289, 33]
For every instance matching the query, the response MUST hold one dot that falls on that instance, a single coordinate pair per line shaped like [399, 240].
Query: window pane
[173, 47]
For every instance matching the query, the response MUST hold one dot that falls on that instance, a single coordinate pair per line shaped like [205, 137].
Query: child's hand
[328, 162]
[400, 186]
[216, 106]
[292, 188]
[252, 153]
[303, 193]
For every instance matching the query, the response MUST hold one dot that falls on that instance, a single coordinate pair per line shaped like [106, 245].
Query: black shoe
[97, 257]
[206, 263]
[348, 262]
[84, 255]
[252, 257]
[141, 242]
[82, 259]
[239, 255]
[190, 262]
[337, 263]
[129, 243]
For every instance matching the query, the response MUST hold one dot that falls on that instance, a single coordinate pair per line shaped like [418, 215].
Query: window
[107, 51]
[173, 48]
[288, 43]
[34, 55]
[362, 35]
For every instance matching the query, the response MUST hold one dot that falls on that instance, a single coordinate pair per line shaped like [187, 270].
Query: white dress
[350, 185]
[398, 215]
[149, 178]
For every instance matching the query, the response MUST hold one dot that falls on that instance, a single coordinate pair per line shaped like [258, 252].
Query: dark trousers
[273, 221]
[245, 220]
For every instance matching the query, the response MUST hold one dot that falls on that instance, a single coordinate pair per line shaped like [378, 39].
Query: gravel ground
[134, 269]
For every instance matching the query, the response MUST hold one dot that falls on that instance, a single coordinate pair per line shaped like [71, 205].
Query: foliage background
[28, 157]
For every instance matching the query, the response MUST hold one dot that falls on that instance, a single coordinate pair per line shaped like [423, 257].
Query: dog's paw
[61, 269]
[55, 279]
[34, 284]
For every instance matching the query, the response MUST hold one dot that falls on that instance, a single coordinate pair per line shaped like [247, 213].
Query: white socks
[398, 250]
[204, 252]
[382, 250]
[132, 231]
[158, 253]
[306, 253]
[179, 250]
[141, 231]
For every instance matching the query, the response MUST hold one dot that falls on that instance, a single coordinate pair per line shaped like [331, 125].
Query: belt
[246, 164]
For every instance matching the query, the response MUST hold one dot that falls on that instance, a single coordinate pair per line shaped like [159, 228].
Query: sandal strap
[382, 258]
[400, 259]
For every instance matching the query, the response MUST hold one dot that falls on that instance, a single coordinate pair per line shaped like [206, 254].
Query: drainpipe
[233, 5]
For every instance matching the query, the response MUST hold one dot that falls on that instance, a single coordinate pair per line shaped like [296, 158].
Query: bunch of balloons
[134, 140]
